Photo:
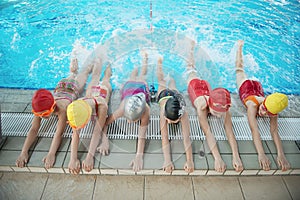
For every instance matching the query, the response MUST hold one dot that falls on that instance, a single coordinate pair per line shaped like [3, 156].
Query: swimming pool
[38, 36]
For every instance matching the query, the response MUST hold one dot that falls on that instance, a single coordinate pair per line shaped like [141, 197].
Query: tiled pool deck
[112, 177]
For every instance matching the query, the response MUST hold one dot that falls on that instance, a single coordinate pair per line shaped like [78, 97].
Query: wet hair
[173, 109]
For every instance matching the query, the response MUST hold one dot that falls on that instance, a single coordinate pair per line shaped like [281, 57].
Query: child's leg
[192, 73]
[172, 84]
[133, 75]
[144, 66]
[87, 68]
[239, 65]
[160, 76]
[106, 81]
[95, 76]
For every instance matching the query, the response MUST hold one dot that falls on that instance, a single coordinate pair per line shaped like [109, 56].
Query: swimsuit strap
[166, 97]
[96, 105]
[206, 101]
[95, 101]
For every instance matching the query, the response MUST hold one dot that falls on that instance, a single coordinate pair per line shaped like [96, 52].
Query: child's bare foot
[283, 163]
[49, 160]
[22, 160]
[160, 60]
[74, 166]
[88, 163]
[144, 54]
[107, 72]
[264, 162]
[220, 166]
[240, 43]
[74, 66]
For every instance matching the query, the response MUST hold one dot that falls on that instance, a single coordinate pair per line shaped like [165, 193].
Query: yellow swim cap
[78, 113]
[276, 102]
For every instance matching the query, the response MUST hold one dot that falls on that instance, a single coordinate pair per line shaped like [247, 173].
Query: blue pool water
[39, 36]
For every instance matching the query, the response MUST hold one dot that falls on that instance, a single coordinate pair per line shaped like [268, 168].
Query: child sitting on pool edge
[44, 104]
[252, 95]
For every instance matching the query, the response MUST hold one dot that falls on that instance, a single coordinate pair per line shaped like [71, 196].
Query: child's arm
[137, 163]
[31, 136]
[74, 164]
[281, 159]
[117, 114]
[189, 166]
[236, 160]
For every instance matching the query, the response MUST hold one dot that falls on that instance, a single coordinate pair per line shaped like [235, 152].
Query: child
[44, 104]
[94, 104]
[171, 112]
[252, 95]
[134, 106]
[216, 102]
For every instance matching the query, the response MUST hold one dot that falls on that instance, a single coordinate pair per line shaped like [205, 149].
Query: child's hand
[74, 166]
[137, 163]
[168, 167]
[189, 166]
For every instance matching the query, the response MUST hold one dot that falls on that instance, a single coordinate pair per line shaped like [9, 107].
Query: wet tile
[22, 185]
[153, 146]
[214, 187]
[16, 143]
[35, 163]
[119, 187]
[200, 164]
[263, 187]
[122, 146]
[153, 161]
[116, 161]
[13, 107]
[44, 144]
[168, 187]
[224, 147]
[288, 147]
[294, 160]
[246, 147]
[177, 146]
[2, 140]
[197, 146]
[292, 183]
[66, 186]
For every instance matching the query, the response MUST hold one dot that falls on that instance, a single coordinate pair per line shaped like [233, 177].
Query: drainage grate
[18, 124]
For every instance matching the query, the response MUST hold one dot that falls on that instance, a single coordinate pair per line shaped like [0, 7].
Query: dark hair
[172, 108]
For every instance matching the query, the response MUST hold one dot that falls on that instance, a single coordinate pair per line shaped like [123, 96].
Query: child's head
[219, 101]
[273, 104]
[174, 108]
[135, 106]
[78, 113]
[43, 103]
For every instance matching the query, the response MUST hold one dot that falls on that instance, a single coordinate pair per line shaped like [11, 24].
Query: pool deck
[112, 177]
